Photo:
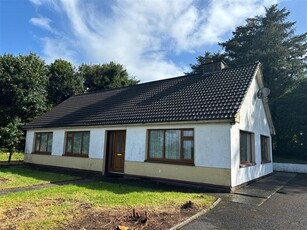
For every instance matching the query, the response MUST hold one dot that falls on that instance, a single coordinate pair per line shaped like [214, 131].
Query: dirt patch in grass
[3, 180]
[132, 218]
[82, 215]
[39, 214]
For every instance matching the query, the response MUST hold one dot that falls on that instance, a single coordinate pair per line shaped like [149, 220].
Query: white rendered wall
[290, 167]
[211, 142]
[136, 144]
[58, 142]
[29, 142]
[252, 119]
[97, 138]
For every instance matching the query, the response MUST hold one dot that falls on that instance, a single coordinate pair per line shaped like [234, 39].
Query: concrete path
[275, 202]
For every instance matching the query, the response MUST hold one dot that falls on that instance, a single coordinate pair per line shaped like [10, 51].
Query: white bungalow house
[214, 128]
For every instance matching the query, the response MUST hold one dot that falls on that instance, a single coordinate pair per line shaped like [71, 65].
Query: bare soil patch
[82, 215]
[3, 180]
[18, 217]
[130, 218]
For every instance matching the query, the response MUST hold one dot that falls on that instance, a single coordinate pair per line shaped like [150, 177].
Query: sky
[152, 39]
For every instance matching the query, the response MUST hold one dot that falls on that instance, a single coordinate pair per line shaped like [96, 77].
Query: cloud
[59, 48]
[43, 23]
[37, 2]
[143, 34]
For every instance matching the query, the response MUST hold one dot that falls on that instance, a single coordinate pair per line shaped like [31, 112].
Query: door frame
[108, 154]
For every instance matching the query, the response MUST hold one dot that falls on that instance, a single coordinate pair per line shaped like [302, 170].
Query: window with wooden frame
[265, 149]
[43, 143]
[246, 149]
[171, 145]
[77, 143]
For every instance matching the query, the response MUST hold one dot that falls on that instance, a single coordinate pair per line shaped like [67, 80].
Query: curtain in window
[172, 144]
[264, 148]
[156, 143]
[77, 142]
[187, 149]
[49, 144]
[44, 142]
[37, 142]
[86, 143]
[245, 147]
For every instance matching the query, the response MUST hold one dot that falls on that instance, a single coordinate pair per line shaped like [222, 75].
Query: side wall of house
[252, 119]
[211, 153]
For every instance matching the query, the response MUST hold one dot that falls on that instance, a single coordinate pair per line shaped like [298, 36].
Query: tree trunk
[10, 156]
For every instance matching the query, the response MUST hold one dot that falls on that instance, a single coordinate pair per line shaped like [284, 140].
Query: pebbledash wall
[216, 148]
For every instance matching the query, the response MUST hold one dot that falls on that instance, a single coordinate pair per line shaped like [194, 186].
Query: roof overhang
[107, 126]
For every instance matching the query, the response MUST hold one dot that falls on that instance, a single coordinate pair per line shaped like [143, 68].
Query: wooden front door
[116, 150]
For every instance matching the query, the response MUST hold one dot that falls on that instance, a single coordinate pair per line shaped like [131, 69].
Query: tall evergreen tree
[271, 39]
[207, 58]
[291, 122]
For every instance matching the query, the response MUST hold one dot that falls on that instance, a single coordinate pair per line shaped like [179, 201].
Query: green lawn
[21, 177]
[103, 203]
[4, 156]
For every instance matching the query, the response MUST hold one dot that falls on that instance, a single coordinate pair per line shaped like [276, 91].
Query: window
[171, 145]
[246, 149]
[265, 149]
[77, 144]
[43, 143]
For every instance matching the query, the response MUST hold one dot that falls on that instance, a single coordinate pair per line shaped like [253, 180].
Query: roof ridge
[242, 65]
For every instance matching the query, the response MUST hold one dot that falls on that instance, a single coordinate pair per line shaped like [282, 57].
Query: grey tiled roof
[188, 98]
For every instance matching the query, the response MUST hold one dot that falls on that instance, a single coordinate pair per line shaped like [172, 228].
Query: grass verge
[4, 156]
[22, 176]
[102, 204]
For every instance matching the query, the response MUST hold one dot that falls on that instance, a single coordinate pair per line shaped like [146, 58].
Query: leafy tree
[22, 87]
[105, 76]
[11, 136]
[63, 81]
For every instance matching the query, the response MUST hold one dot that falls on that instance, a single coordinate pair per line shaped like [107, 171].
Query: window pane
[37, 143]
[172, 144]
[77, 143]
[68, 145]
[156, 143]
[188, 133]
[188, 146]
[49, 144]
[245, 147]
[86, 143]
[44, 142]
[264, 148]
